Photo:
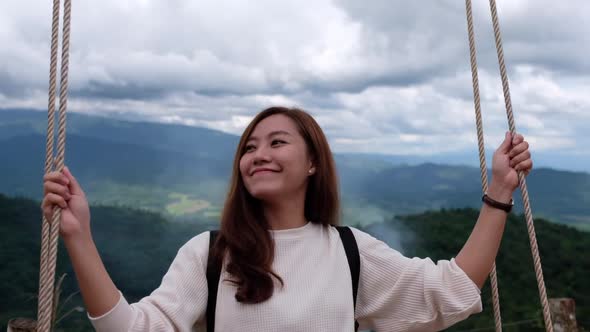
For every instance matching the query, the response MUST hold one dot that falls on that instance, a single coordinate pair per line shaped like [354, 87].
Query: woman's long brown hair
[244, 239]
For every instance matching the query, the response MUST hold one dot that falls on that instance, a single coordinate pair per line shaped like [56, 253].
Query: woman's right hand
[63, 190]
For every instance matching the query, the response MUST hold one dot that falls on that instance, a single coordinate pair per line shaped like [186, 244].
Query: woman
[284, 267]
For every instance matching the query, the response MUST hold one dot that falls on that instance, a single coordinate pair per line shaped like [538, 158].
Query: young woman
[284, 267]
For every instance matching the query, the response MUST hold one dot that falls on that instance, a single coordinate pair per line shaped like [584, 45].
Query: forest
[137, 247]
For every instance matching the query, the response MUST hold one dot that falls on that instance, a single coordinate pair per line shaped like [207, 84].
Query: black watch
[498, 205]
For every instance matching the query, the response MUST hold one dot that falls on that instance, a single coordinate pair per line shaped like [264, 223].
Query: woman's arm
[397, 293]
[176, 305]
[60, 188]
[98, 290]
[477, 256]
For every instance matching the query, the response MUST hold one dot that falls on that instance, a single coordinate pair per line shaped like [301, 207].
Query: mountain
[441, 235]
[137, 266]
[178, 138]
[95, 161]
[559, 195]
[183, 172]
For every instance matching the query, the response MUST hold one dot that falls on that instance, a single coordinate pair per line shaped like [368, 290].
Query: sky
[380, 76]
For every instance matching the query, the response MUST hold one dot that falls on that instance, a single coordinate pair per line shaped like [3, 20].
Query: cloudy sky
[381, 76]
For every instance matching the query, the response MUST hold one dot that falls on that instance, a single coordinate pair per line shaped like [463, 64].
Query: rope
[50, 231]
[522, 181]
[45, 227]
[482, 155]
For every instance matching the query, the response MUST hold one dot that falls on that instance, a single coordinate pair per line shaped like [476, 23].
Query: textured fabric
[395, 293]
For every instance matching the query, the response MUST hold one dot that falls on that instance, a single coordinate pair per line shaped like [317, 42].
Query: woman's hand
[479, 252]
[62, 189]
[512, 155]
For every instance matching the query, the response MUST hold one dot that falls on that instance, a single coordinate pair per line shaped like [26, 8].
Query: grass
[185, 205]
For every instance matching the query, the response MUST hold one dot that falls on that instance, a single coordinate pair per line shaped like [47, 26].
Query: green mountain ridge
[173, 137]
[137, 266]
[184, 171]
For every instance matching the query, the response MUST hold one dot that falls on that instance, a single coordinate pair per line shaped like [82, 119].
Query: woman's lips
[265, 171]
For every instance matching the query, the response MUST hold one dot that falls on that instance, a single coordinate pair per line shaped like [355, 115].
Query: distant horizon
[468, 158]
[384, 77]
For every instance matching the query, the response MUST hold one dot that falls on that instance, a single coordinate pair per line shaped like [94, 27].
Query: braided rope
[482, 155]
[522, 181]
[50, 231]
[45, 226]
[43, 309]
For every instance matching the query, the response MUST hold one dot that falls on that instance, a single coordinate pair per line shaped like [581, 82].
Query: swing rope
[522, 181]
[50, 231]
[521, 177]
[482, 155]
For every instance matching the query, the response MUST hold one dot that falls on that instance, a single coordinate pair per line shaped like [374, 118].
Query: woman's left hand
[512, 155]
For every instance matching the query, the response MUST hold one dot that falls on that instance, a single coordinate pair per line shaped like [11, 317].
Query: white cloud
[381, 76]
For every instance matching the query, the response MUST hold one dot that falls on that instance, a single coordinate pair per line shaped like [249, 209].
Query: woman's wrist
[82, 240]
[500, 193]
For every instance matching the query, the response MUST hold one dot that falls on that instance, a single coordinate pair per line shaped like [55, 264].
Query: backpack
[214, 272]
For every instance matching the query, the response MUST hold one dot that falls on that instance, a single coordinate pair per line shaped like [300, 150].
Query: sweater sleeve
[397, 293]
[176, 305]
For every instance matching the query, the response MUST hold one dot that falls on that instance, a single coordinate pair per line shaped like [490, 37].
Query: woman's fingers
[517, 139]
[56, 177]
[74, 185]
[56, 188]
[48, 213]
[520, 158]
[525, 166]
[55, 192]
[518, 148]
[52, 199]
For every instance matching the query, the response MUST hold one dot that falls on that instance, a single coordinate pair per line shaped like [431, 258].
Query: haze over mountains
[183, 172]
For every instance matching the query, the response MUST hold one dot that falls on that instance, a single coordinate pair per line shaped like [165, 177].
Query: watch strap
[498, 205]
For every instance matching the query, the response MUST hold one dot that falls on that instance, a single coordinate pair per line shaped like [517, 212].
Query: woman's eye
[249, 148]
[277, 141]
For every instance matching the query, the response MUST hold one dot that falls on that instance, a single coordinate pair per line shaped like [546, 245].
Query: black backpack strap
[213, 275]
[354, 261]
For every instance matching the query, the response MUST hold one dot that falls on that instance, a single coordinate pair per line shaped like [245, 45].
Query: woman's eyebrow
[272, 133]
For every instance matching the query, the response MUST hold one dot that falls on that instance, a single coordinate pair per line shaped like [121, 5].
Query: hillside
[183, 172]
[441, 235]
[138, 266]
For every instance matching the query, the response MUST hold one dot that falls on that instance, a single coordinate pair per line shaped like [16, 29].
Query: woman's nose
[262, 155]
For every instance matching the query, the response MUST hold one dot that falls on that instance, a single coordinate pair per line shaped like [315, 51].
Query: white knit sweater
[395, 293]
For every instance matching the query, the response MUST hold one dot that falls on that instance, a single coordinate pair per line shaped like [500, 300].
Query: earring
[310, 171]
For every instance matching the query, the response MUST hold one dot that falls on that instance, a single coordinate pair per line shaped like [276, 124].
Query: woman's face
[275, 163]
